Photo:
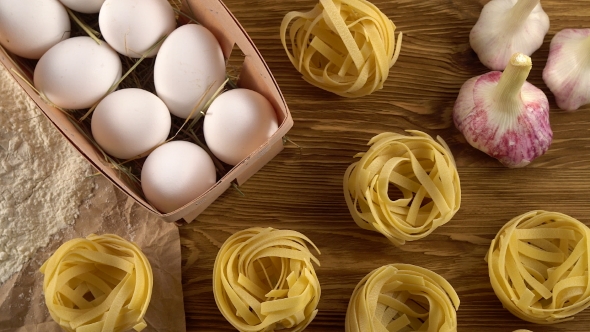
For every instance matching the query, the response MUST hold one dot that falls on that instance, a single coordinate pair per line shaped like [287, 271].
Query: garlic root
[505, 27]
[567, 73]
[503, 115]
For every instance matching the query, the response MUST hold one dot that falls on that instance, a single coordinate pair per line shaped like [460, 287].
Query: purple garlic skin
[514, 138]
[567, 73]
[505, 27]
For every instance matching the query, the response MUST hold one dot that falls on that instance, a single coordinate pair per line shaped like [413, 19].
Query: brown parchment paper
[22, 304]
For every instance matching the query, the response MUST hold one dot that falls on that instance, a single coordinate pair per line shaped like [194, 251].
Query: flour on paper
[43, 180]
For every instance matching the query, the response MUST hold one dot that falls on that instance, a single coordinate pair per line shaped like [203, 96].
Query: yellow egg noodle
[264, 280]
[342, 46]
[402, 297]
[538, 266]
[421, 168]
[99, 284]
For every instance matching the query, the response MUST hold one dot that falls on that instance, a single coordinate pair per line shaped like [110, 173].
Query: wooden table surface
[302, 189]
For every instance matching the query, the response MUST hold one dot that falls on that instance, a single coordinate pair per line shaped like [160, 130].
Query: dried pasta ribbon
[538, 265]
[342, 46]
[264, 280]
[402, 297]
[99, 284]
[421, 168]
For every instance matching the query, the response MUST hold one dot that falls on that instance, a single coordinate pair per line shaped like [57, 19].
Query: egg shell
[29, 28]
[189, 69]
[130, 122]
[84, 6]
[237, 123]
[132, 27]
[176, 173]
[77, 72]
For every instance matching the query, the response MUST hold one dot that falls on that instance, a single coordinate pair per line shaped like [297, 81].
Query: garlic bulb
[505, 27]
[503, 115]
[567, 73]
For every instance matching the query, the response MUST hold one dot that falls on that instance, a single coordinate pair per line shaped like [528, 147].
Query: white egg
[130, 122]
[84, 6]
[189, 69]
[77, 72]
[132, 27]
[237, 123]
[176, 173]
[29, 28]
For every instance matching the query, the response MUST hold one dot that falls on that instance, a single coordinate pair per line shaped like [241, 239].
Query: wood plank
[302, 189]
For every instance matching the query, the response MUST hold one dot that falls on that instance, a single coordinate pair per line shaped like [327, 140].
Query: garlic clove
[505, 27]
[503, 115]
[567, 73]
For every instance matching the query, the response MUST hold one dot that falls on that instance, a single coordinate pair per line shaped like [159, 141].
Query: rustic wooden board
[302, 189]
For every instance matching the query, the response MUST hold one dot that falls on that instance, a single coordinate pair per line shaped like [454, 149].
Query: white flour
[43, 180]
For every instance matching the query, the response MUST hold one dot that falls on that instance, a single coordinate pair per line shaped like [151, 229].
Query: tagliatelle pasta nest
[538, 266]
[422, 169]
[402, 297]
[264, 280]
[101, 283]
[342, 46]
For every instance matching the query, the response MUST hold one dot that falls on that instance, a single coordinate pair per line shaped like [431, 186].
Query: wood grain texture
[302, 189]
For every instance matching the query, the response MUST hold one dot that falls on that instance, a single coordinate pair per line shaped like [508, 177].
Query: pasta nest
[422, 169]
[538, 266]
[264, 280]
[345, 47]
[402, 297]
[101, 283]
